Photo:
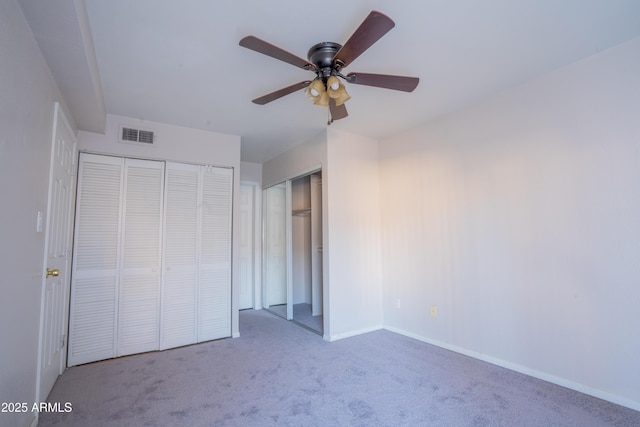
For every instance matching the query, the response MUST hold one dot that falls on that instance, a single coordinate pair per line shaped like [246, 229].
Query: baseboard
[526, 371]
[336, 337]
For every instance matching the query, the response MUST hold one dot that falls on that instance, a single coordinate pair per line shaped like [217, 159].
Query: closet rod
[299, 212]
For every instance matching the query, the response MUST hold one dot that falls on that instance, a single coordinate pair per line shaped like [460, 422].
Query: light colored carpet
[278, 374]
[302, 313]
[279, 310]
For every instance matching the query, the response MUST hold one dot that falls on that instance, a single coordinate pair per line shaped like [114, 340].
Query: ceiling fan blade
[405, 84]
[372, 28]
[337, 111]
[281, 92]
[261, 46]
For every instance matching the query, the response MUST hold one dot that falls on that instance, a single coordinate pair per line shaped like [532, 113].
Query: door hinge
[62, 340]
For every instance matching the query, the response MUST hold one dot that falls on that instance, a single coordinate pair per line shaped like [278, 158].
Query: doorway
[293, 257]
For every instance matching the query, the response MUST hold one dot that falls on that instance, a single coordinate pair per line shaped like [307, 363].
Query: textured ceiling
[180, 63]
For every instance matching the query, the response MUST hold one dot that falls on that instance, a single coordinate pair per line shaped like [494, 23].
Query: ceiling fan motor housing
[321, 55]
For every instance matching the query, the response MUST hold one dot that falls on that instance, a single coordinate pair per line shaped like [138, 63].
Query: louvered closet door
[196, 287]
[180, 256]
[152, 257]
[214, 288]
[115, 290]
[139, 297]
[93, 308]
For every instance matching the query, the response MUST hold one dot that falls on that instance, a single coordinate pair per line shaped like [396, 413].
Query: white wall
[174, 143]
[295, 162]
[179, 144]
[27, 96]
[352, 292]
[251, 172]
[519, 219]
[352, 183]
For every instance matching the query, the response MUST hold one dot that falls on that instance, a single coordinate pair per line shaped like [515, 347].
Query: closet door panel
[139, 298]
[180, 256]
[92, 323]
[214, 291]
[93, 308]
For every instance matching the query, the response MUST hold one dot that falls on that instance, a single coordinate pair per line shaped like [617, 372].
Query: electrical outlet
[433, 310]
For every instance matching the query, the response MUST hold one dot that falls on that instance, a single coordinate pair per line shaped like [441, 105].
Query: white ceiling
[179, 62]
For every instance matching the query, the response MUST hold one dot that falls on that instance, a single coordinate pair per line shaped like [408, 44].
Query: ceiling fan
[327, 59]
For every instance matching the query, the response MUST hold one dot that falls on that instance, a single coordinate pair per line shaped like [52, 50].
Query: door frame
[289, 261]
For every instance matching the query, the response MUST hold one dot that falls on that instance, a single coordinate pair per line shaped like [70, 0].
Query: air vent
[140, 136]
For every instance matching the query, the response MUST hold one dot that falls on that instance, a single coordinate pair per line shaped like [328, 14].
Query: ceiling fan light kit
[317, 92]
[337, 91]
[327, 59]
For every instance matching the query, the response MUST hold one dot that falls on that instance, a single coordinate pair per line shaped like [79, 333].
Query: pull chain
[330, 119]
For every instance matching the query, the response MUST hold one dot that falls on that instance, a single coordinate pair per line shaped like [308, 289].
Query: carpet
[302, 313]
[279, 374]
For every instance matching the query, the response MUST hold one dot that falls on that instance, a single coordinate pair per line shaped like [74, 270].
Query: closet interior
[293, 251]
[306, 236]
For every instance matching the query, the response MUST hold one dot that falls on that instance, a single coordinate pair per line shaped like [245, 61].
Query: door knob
[55, 272]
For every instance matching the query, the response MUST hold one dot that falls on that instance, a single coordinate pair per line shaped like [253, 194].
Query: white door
[245, 293]
[275, 247]
[140, 263]
[94, 291]
[178, 311]
[214, 273]
[196, 281]
[57, 262]
[152, 257]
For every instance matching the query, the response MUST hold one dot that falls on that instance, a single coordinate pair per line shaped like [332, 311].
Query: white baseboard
[527, 371]
[336, 337]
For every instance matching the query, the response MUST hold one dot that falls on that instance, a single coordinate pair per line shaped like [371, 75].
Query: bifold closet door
[180, 257]
[94, 285]
[214, 285]
[152, 257]
[196, 287]
[114, 307]
[140, 273]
